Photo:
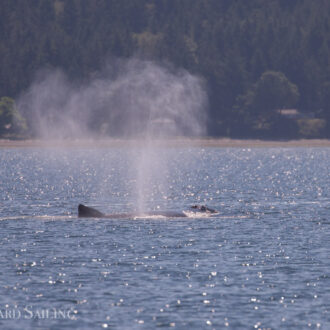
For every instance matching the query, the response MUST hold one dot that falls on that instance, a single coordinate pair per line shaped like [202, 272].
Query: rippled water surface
[261, 262]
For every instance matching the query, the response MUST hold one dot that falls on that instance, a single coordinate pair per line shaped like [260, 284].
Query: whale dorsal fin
[88, 212]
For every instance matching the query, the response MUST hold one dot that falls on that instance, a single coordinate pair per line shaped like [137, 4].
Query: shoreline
[175, 142]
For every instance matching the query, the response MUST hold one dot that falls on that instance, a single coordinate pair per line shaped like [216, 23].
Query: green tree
[273, 91]
[11, 121]
[325, 97]
[259, 106]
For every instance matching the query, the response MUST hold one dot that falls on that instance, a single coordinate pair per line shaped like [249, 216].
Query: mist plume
[128, 98]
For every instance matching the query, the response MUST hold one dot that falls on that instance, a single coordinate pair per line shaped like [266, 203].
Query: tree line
[256, 56]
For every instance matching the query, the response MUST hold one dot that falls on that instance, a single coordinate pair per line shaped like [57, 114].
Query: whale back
[89, 212]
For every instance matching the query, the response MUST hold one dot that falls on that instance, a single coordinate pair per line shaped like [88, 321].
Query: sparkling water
[261, 262]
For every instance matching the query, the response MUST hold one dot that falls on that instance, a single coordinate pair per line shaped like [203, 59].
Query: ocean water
[262, 262]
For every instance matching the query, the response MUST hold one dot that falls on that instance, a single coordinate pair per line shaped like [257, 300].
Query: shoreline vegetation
[206, 142]
[260, 69]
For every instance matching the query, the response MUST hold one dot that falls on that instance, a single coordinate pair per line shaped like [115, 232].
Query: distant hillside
[256, 56]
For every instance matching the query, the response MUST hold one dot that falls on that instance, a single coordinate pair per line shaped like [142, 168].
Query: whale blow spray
[143, 101]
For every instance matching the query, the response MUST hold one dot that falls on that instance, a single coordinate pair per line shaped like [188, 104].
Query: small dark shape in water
[203, 208]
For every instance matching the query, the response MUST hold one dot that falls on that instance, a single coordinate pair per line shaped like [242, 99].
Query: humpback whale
[89, 212]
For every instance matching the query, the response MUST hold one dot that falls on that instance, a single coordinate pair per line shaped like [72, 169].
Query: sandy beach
[180, 142]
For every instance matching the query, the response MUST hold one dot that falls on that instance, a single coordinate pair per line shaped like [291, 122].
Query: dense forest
[256, 57]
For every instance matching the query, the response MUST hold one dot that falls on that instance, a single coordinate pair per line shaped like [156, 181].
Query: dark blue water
[262, 262]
